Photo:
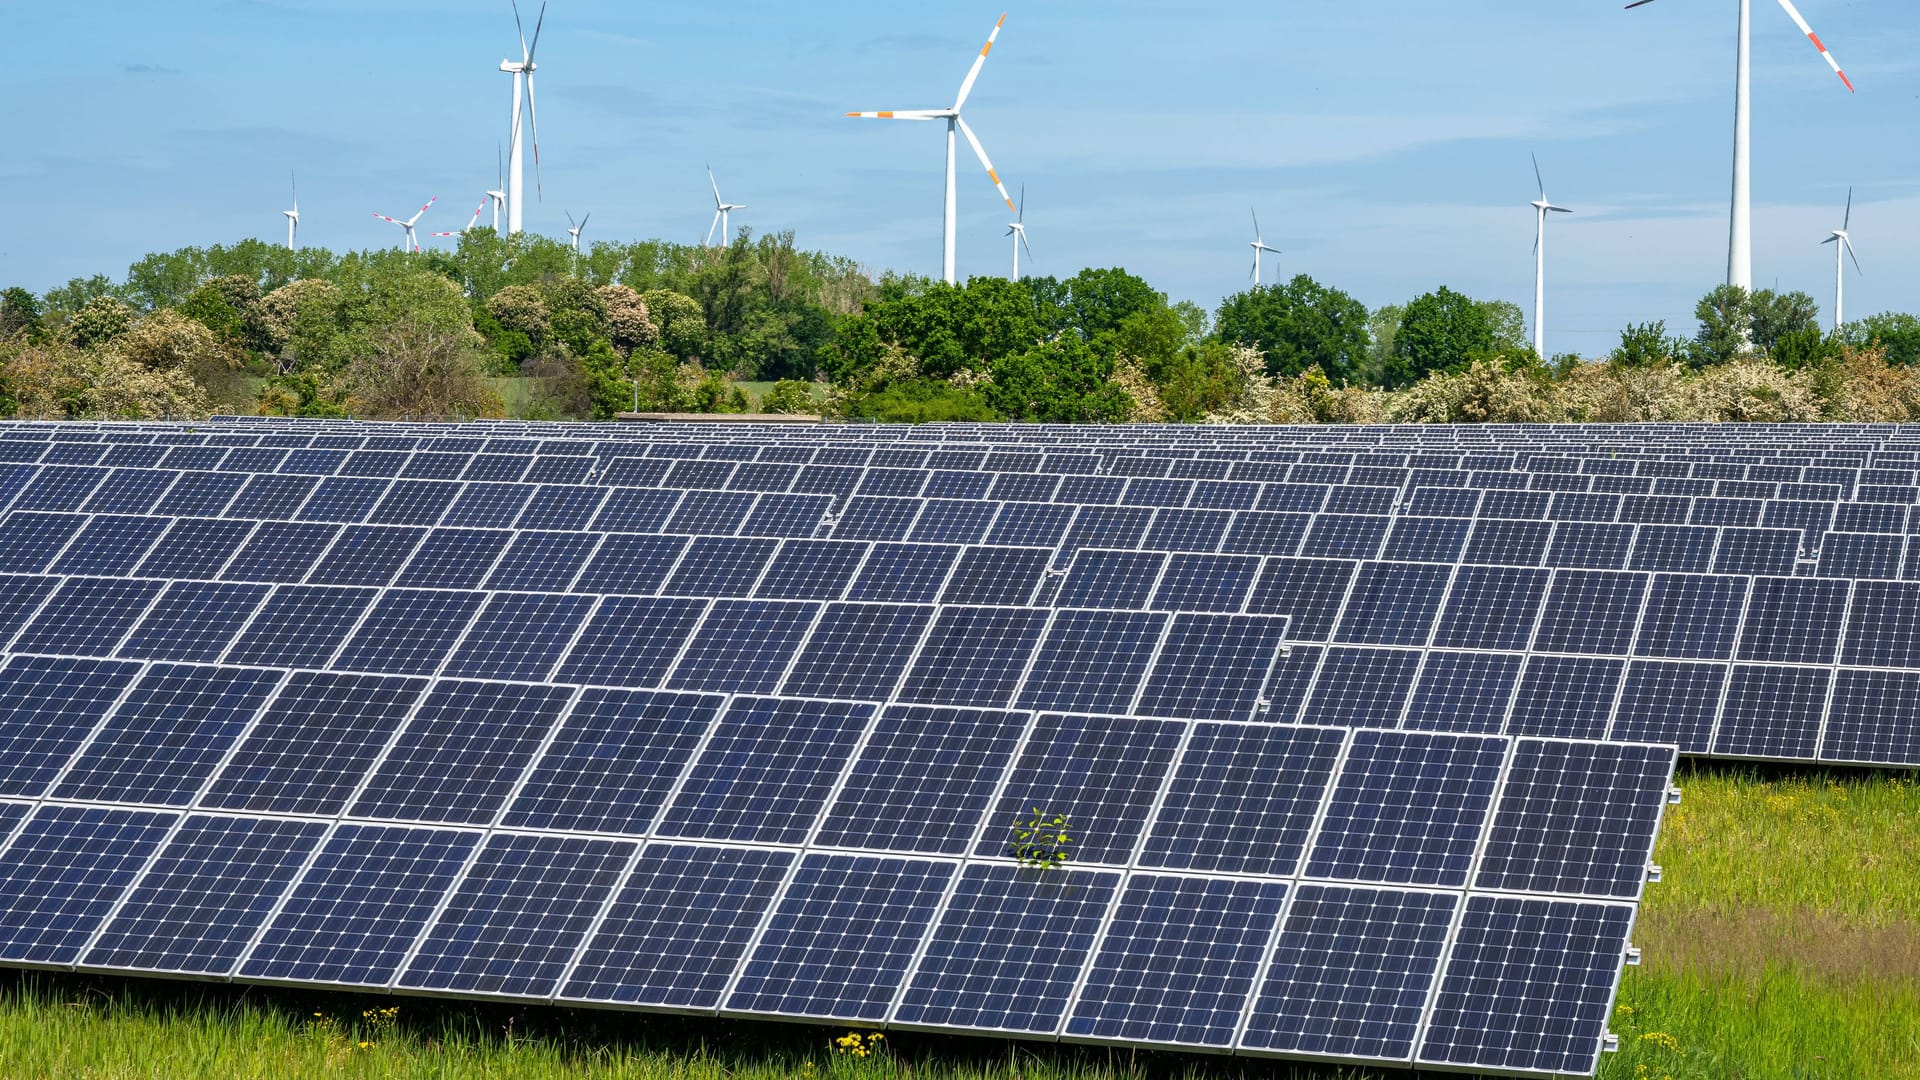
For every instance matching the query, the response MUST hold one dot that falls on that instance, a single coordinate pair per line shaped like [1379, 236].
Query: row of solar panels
[1348, 894]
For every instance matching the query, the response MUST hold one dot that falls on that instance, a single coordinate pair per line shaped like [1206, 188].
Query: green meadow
[1784, 941]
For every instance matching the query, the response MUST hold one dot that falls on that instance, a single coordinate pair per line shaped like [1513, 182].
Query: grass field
[1784, 942]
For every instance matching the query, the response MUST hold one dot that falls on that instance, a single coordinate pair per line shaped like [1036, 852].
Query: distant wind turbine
[1541, 208]
[522, 72]
[952, 116]
[1258, 245]
[1844, 240]
[1740, 231]
[409, 242]
[720, 212]
[293, 215]
[471, 222]
[1018, 230]
[498, 196]
[576, 230]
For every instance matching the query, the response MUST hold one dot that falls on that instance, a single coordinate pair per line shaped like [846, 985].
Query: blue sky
[1385, 144]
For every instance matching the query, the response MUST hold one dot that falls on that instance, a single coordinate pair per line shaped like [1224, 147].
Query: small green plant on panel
[1041, 840]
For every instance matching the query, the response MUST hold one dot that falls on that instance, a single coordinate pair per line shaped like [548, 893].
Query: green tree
[1647, 345]
[19, 314]
[1895, 331]
[1062, 381]
[1440, 331]
[1777, 315]
[1726, 326]
[99, 322]
[1299, 325]
[682, 326]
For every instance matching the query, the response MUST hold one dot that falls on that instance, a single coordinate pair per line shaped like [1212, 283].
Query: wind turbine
[1740, 232]
[522, 72]
[409, 242]
[1541, 208]
[1017, 229]
[1844, 240]
[952, 117]
[293, 215]
[471, 222]
[720, 212]
[575, 232]
[1258, 245]
[498, 196]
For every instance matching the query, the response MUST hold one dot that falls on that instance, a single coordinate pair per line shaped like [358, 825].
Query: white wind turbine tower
[1258, 245]
[1017, 229]
[293, 215]
[522, 72]
[498, 196]
[720, 212]
[409, 242]
[1844, 240]
[1740, 233]
[1541, 208]
[471, 222]
[952, 117]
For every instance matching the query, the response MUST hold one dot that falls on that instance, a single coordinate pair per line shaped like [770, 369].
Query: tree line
[522, 325]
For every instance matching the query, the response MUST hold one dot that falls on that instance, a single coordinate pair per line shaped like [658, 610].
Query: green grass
[1783, 942]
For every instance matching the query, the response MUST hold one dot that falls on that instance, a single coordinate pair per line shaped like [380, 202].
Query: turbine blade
[1256, 224]
[981, 153]
[1023, 242]
[588, 217]
[900, 114]
[1021, 214]
[1844, 222]
[1856, 259]
[519, 29]
[1835, 238]
[537, 24]
[1559, 209]
[716, 185]
[570, 220]
[1536, 176]
[966, 87]
[1801, 22]
[533, 122]
[710, 228]
[1637, 3]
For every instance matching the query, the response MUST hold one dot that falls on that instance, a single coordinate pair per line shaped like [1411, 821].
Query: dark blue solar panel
[1205, 583]
[1309, 592]
[1691, 617]
[838, 907]
[559, 506]
[1351, 973]
[1590, 611]
[1362, 687]
[1214, 667]
[109, 545]
[1501, 542]
[454, 559]
[1408, 809]
[1687, 548]
[518, 916]
[58, 487]
[811, 570]
[462, 752]
[1872, 720]
[366, 555]
[1570, 697]
[1100, 773]
[1772, 712]
[1861, 555]
[519, 636]
[542, 561]
[1179, 961]
[168, 736]
[857, 651]
[127, 491]
[1670, 703]
[952, 521]
[87, 616]
[1008, 949]
[721, 566]
[1111, 579]
[996, 575]
[309, 750]
[904, 573]
[766, 771]
[21, 596]
[1509, 955]
[1463, 692]
[974, 656]
[1416, 539]
[1394, 603]
[271, 496]
[409, 632]
[1108, 527]
[357, 910]
[1093, 661]
[631, 641]
[1794, 621]
[48, 707]
[922, 780]
[640, 510]
[1576, 819]
[675, 933]
[612, 763]
[200, 493]
[300, 626]
[64, 873]
[28, 542]
[284, 551]
[487, 506]
[743, 645]
[1883, 627]
[1346, 536]
[342, 498]
[1757, 551]
[1031, 524]
[873, 518]
[710, 513]
[206, 893]
[1263, 532]
[1243, 799]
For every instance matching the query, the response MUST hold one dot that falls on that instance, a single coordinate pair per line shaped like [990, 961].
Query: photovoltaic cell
[519, 636]
[1243, 799]
[48, 707]
[1772, 712]
[164, 741]
[841, 939]
[64, 873]
[1666, 702]
[461, 753]
[1100, 773]
[857, 651]
[743, 645]
[1463, 692]
[87, 616]
[1872, 718]
[1794, 620]
[630, 641]
[309, 750]
[611, 765]
[766, 771]
[1214, 667]
[1408, 809]
[1092, 661]
[1576, 820]
[358, 909]
[300, 626]
[922, 780]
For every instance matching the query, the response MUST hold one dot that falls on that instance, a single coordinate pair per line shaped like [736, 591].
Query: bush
[790, 396]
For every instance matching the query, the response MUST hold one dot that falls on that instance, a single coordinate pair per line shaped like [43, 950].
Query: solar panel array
[740, 721]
